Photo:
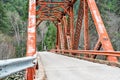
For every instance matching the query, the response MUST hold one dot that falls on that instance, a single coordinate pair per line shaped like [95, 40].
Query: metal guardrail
[11, 66]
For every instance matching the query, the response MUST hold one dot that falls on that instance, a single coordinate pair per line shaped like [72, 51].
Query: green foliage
[117, 8]
[50, 37]
[8, 7]
[116, 41]
[109, 5]
[13, 22]
[4, 25]
[20, 50]
[20, 6]
[39, 47]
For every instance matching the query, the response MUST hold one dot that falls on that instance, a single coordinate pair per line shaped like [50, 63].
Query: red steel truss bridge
[69, 63]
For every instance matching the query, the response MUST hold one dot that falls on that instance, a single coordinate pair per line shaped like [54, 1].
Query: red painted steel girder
[103, 36]
[105, 53]
[67, 37]
[79, 24]
[53, 3]
[31, 37]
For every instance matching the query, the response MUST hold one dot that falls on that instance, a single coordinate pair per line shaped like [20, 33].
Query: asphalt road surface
[59, 67]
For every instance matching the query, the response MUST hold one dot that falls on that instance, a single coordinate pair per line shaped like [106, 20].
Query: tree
[117, 8]
[50, 37]
[3, 19]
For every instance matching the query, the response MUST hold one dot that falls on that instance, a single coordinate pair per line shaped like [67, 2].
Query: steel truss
[61, 13]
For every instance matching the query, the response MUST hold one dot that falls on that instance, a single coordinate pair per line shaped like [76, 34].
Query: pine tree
[3, 19]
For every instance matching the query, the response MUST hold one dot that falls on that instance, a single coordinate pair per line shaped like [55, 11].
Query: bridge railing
[94, 52]
[11, 66]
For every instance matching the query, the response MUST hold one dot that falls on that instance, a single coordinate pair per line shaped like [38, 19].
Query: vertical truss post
[65, 30]
[103, 36]
[72, 25]
[31, 39]
[57, 39]
[61, 36]
[68, 27]
[68, 43]
[86, 27]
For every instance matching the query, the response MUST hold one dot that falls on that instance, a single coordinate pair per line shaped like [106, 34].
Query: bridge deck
[58, 67]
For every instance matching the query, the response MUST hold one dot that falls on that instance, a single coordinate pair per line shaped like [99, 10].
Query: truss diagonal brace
[103, 36]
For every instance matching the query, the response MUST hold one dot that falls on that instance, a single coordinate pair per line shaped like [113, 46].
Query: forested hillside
[13, 23]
